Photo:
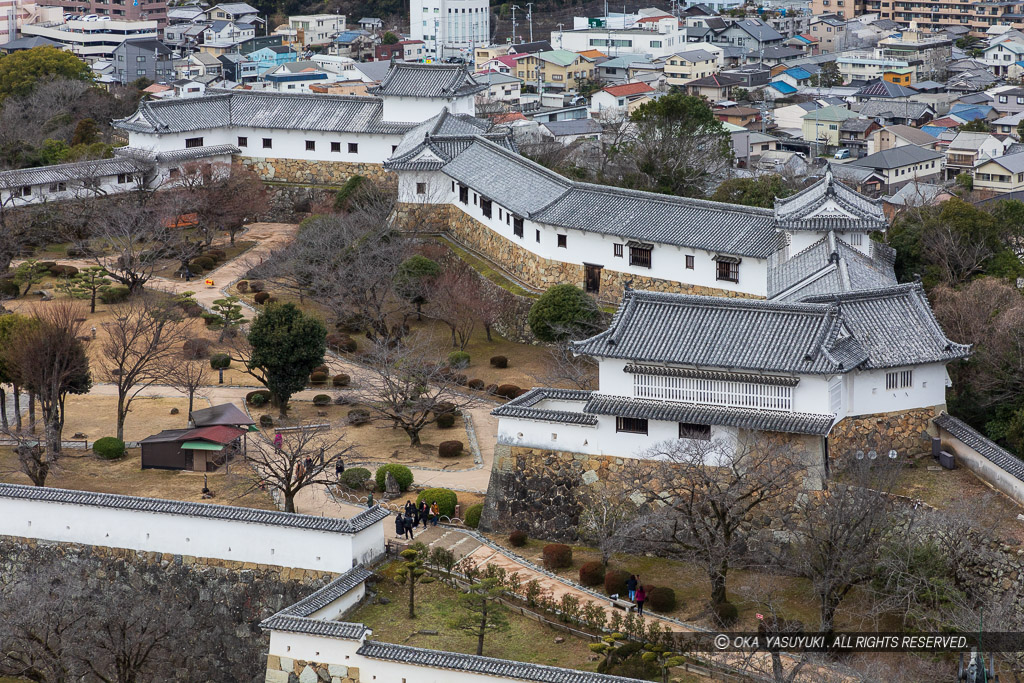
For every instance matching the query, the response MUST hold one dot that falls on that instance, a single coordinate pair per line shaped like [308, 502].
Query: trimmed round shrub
[271, 299]
[203, 262]
[109, 448]
[261, 298]
[115, 295]
[446, 500]
[359, 417]
[401, 473]
[242, 286]
[446, 420]
[63, 271]
[500, 362]
[472, 515]
[517, 539]
[341, 380]
[491, 389]
[477, 384]
[458, 359]
[450, 449]
[322, 368]
[197, 348]
[220, 361]
[615, 582]
[561, 312]
[256, 286]
[508, 391]
[216, 254]
[355, 477]
[661, 599]
[592, 573]
[258, 397]
[341, 342]
[726, 613]
[344, 400]
[266, 421]
[321, 400]
[557, 556]
[442, 407]
[318, 377]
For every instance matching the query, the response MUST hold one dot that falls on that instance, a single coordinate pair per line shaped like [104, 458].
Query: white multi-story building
[450, 27]
[658, 38]
[92, 40]
[317, 29]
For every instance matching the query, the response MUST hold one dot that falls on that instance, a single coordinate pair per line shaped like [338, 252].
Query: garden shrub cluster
[197, 348]
[109, 448]
[472, 516]
[450, 449]
[446, 420]
[557, 556]
[458, 359]
[401, 473]
[517, 539]
[446, 500]
[615, 582]
[220, 361]
[355, 478]
[592, 573]
[321, 400]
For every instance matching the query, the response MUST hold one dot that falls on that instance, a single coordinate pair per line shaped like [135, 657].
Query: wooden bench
[623, 604]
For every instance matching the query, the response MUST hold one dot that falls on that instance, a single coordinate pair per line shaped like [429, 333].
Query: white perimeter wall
[185, 535]
[866, 393]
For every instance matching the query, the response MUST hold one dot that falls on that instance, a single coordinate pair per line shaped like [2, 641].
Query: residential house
[371, 24]
[503, 64]
[238, 68]
[239, 12]
[688, 66]
[137, 58]
[898, 112]
[568, 132]
[317, 29]
[915, 195]
[1000, 56]
[715, 88]
[901, 165]
[1009, 101]
[806, 43]
[530, 48]
[854, 134]
[227, 33]
[796, 77]
[772, 56]
[557, 69]
[830, 32]
[614, 100]
[1000, 175]
[616, 69]
[782, 163]
[188, 88]
[357, 45]
[883, 89]
[791, 117]
[750, 145]
[1008, 125]
[968, 150]
[294, 77]
[271, 56]
[668, 38]
[501, 87]
[860, 70]
[199, 64]
[750, 34]
[897, 136]
[745, 117]
[821, 126]
[933, 51]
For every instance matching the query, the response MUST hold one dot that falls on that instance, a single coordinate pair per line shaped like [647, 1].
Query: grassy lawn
[81, 470]
[525, 641]
[96, 416]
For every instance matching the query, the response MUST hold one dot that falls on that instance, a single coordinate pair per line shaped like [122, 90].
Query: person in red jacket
[641, 595]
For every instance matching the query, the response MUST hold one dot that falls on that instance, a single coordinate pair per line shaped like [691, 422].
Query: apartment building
[317, 29]
[558, 69]
[845, 9]
[934, 15]
[684, 67]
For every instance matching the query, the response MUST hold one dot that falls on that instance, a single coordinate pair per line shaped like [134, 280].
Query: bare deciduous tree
[142, 340]
[127, 239]
[187, 376]
[710, 489]
[405, 384]
[453, 296]
[563, 368]
[608, 521]
[307, 456]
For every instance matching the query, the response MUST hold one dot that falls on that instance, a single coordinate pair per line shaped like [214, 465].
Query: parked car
[842, 154]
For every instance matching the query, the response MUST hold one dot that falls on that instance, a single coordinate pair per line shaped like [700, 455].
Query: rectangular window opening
[631, 425]
[692, 430]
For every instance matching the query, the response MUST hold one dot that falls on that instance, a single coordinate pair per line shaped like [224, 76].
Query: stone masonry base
[285, 670]
[906, 431]
[304, 172]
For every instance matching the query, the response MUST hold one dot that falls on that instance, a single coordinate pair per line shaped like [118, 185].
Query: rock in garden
[391, 486]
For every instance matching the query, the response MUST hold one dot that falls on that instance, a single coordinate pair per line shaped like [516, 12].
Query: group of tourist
[637, 592]
[414, 516]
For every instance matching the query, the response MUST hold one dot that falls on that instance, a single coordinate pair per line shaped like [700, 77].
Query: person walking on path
[641, 596]
[424, 513]
[339, 469]
[435, 512]
[278, 442]
[408, 526]
[400, 525]
[631, 584]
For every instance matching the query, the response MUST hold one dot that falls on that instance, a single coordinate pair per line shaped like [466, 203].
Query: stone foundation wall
[906, 431]
[285, 670]
[218, 604]
[304, 172]
[538, 491]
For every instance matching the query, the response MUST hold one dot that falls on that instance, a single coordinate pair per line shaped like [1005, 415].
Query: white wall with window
[892, 389]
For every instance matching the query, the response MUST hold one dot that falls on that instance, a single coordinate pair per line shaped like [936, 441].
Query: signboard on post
[595, 22]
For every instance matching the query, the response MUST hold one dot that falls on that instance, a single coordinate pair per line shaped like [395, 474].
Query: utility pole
[560, 36]
[529, 15]
[514, 8]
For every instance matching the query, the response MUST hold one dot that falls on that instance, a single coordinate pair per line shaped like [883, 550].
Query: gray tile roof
[759, 419]
[206, 510]
[444, 124]
[758, 30]
[889, 109]
[829, 265]
[427, 80]
[1014, 163]
[635, 368]
[881, 88]
[897, 157]
[803, 211]
[314, 627]
[880, 328]
[1000, 457]
[64, 173]
[342, 585]
[524, 407]
[197, 153]
[267, 110]
[414, 656]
